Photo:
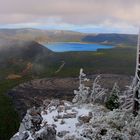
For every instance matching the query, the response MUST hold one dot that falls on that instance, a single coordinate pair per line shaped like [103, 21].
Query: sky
[89, 16]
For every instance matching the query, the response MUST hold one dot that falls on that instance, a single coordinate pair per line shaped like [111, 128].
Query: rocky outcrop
[91, 122]
[31, 124]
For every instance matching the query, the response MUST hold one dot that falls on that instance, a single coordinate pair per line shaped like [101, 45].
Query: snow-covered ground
[67, 118]
[83, 122]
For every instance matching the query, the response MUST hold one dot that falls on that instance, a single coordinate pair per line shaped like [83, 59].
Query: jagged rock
[26, 123]
[46, 102]
[62, 122]
[68, 107]
[48, 133]
[22, 128]
[69, 115]
[60, 108]
[84, 118]
[31, 121]
[54, 102]
[78, 124]
[59, 117]
[62, 102]
[36, 118]
[87, 133]
[21, 136]
[55, 119]
[62, 134]
[74, 110]
[45, 112]
[72, 137]
[69, 137]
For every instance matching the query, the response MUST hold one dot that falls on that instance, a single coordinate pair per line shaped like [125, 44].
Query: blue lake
[66, 47]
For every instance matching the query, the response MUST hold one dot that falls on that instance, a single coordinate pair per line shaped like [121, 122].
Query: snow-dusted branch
[86, 94]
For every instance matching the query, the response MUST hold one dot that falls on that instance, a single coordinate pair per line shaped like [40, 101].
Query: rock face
[34, 92]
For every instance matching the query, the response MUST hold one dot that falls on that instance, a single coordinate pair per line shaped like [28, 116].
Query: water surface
[66, 47]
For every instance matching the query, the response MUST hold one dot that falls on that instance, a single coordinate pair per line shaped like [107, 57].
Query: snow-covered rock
[80, 122]
[46, 133]
[21, 136]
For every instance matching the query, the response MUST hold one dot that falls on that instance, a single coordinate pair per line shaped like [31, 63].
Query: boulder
[62, 133]
[48, 133]
[84, 119]
[69, 115]
[54, 102]
[31, 121]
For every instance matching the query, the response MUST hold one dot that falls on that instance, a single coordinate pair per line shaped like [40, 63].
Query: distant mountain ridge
[66, 36]
[113, 38]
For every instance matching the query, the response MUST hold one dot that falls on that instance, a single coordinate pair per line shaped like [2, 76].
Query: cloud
[101, 13]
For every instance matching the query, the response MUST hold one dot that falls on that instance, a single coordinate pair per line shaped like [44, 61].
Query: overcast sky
[78, 15]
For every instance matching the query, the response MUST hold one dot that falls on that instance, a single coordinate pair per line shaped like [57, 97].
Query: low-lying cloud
[105, 13]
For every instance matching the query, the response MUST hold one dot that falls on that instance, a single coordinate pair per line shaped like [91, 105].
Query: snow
[70, 123]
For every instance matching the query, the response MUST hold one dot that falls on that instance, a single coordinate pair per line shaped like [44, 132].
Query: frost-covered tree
[113, 100]
[126, 99]
[136, 98]
[81, 95]
[130, 99]
[84, 94]
[97, 92]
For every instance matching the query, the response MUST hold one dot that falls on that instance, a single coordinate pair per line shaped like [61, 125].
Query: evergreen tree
[113, 100]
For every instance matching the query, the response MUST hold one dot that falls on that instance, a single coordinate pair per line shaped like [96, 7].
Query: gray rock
[62, 122]
[46, 102]
[15, 138]
[22, 128]
[69, 115]
[32, 120]
[54, 102]
[21, 136]
[26, 123]
[84, 118]
[62, 134]
[36, 121]
[49, 133]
